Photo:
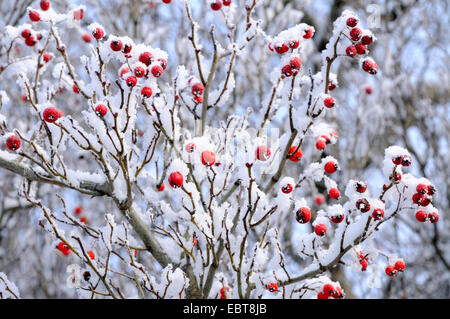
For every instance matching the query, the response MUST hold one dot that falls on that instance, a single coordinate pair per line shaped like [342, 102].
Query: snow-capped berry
[87, 37]
[83, 220]
[34, 16]
[321, 144]
[368, 90]
[161, 188]
[361, 186]
[25, 33]
[390, 271]
[190, 147]
[124, 70]
[422, 189]
[294, 44]
[366, 39]
[30, 41]
[62, 247]
[91, 254]
[78, 14]
[352, 22]
[339, 294]
[175, 179]
[406, 160]
[127, 48]
[330, 167]
[78, 209]
[334, 193]
[197, 89]
[329, 290]
[198, 99]
[370, 67]
[287, 70]
[44, 4]
[295, 157]
[98, 33]
[131, 81]
[139, 71]
[421, 216]
[417, 198]
[433, 217]
[51, 114]
[431, 190]
[331, 86]
[13, 143]
[101, 110]
[208, 158]
[146, 92]
[308, 33]
[280, 49]
[319, 200]
[286, 189]
[329, 102]
[226, 2]
[216, 5]
[399, 265]
[272, 287]
[425, 201]
[337, 218]
[363, 205]
[295, 63]
[46, 57]
[363, 264]
[377, 214]
[355, 34]
[146, 58]
[263, 153]
[320, 230]
[303, 215]
[157, 71]
[361, 48]
[322, 295]
[351, 51]
[163, 63]
[116, 45]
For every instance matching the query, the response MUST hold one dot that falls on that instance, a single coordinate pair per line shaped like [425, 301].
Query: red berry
[363, 264]
[303, 215]
[175, 179]
[101, 110]
[75, 88]
[294, 44]
[78, 15]
[263, 153]
[406, 160]
[127, 48]
[13, 143]
[433, 217]
[295, 157]
[329, 290]
[34, 16]
[91, 254]
[390, 271]
[339, 293]
[223, 292]
[116, 45]
[146, 92]
[399, 265]
[198, 99]
[83, 220]
[280, 49]
[226, 2]
[331, 86]
[337, 218]
[320, 230]
[330, 167]
[321, 144]
[131, 81]
[295, 63]
[216, 5]
[46, 57]
[361, 48]
[286, 189]
[417, 198]
[87, 37]
[366, 40]
[431, 190]
[30, 41]
[163, 63]
[329, 102]
[421, 216]
[45, 4]
[146, 58]
[322, 295]
[161, 188]
[62, 247]
[368, 90]
[351, 51]
[208, 158]
[123, 71]
[370, 67]
[157, 71]
[51, 114]
[197, 89]
[272, 287]
[422, 189]
[378, 214]
[166, 1]
[98, 33]
[190, 147]
[308, 33]
[361, 186]
[425, 202]
[352, 22]
[78, 209]
[25, 33]
[287, 70]
[355, 34]
[320, 199]
[363, 205]
[334, 193]
[139, 71]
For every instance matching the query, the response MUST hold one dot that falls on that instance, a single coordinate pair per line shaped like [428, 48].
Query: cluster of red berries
[330, 291]
[424, 194]
[197, 90]
[13, 142]
[78, 210]
[31, 37]
[399, 266]
[272, 287]
[216, 5]
[290, 44]
[422, 216]
[324, 140]
[292, 68]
